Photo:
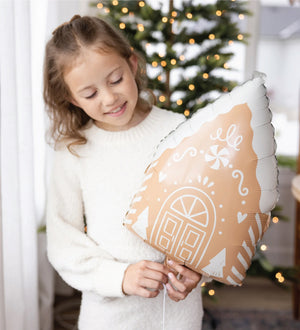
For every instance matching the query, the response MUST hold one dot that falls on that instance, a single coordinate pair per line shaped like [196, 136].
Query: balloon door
[185, 225]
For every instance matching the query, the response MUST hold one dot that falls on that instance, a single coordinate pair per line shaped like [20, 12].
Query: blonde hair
[62, 49]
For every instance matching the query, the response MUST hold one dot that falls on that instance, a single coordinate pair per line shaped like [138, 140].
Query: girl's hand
[145, 279]
[188, 280]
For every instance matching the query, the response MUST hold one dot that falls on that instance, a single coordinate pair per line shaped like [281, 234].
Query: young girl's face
[104, 86]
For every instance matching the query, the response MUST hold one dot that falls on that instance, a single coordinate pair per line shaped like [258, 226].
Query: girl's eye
[117, 81]
[91, 96]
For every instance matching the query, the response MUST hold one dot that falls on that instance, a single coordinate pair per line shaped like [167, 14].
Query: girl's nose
[109, 97]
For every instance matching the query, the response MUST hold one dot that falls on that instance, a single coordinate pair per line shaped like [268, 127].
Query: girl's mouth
[117, 112]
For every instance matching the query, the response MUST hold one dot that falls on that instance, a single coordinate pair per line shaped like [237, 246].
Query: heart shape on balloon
[206, 197]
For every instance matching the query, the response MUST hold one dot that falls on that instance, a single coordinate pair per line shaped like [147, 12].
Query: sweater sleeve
[78, 259]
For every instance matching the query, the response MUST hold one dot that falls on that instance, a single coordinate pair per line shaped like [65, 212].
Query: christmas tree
[186, 48]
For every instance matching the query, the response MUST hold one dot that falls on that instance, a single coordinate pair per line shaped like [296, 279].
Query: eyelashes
[117, 81]
[91, 96]
[112, 83]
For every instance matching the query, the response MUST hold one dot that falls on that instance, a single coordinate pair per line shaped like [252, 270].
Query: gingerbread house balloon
[206, 197]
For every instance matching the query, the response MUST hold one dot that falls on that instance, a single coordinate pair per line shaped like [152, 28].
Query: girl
[105, 134]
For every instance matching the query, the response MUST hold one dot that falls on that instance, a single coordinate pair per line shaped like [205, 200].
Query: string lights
[211, 292]
[140, 27]
[187, 113]
[263, 247]
[279, 277]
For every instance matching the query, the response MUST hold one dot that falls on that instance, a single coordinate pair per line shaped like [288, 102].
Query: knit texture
[100, 183]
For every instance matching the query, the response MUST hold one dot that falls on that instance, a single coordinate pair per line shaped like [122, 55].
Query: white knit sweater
[100, 184]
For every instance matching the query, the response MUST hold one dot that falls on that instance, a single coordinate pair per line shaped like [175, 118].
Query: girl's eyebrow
[90, 86]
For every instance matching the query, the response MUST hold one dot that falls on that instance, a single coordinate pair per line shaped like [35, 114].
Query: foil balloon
[206, 197]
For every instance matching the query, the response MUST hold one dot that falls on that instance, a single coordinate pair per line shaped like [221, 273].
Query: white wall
[62, 11]
[279, 60]
[291, 75]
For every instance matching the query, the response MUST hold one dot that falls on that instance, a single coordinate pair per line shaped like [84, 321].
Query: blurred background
[268, 40]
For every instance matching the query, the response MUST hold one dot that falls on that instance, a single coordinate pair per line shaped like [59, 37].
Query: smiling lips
[117, 112]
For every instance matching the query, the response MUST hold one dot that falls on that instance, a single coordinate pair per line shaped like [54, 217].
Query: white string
[164, 306]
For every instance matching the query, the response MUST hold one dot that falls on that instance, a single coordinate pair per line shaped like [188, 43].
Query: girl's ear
[133, 63]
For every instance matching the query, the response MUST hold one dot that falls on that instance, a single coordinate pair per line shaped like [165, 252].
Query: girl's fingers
[186, 280]
[151, 284]
[174, 294]
[142, 292]
[145, 279]
[184, 271]
[179, 285]
[156, 266]
[155, 275]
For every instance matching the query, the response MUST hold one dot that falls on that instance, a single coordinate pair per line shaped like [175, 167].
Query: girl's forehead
[91, 55]
[91, 67]
[98, 54]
